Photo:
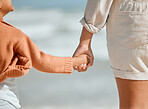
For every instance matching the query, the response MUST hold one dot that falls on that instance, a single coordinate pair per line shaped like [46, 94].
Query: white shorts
[127, 39]
[9, 95]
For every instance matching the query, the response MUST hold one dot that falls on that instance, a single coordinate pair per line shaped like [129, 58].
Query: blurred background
[53, 25]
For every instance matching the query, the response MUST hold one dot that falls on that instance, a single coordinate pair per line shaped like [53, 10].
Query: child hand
[81, 61]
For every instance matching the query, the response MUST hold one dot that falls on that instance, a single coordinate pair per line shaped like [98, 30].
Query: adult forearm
[86, 37]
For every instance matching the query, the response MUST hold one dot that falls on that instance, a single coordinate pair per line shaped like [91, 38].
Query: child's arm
[45, 62]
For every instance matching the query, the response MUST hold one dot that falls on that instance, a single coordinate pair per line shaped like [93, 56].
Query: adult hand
[84, 49]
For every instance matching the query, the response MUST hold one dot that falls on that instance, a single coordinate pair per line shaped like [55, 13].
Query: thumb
[75, 54]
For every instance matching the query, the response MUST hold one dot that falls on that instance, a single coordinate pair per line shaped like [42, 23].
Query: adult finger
[82, 69]
[76, 68]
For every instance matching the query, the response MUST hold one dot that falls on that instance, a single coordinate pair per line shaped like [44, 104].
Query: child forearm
[42, 61]
[29, 52]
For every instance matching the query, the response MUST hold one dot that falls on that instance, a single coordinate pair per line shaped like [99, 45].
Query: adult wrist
[85, 42]
[86, 37]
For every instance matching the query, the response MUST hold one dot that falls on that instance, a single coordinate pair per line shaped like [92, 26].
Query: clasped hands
[82, 58]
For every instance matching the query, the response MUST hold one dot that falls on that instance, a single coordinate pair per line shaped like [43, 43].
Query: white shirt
[9, 91]
[96, 15]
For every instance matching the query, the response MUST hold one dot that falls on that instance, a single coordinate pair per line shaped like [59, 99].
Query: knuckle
[75, 69]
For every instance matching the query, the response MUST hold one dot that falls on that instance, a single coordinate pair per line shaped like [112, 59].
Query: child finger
[79, 70]
[82, 70]
[81, 66]
[75, 67]
[85, 70]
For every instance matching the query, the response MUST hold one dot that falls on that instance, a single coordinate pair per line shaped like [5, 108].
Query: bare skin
[133, 94]
[84, 47]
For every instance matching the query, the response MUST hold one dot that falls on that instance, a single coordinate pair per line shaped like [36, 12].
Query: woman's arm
[84, 47]
[86, 37]
[95, 18]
